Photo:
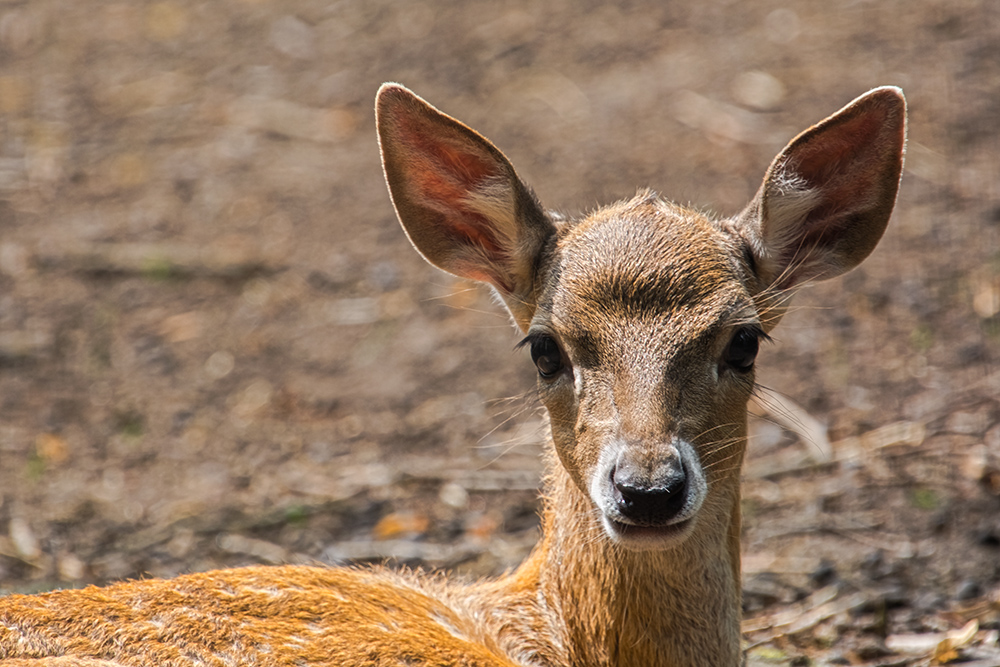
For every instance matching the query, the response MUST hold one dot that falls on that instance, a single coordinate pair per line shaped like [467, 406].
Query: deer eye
[546, 354]
[741, 352]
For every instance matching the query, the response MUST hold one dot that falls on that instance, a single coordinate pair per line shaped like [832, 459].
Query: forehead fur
[645, 257]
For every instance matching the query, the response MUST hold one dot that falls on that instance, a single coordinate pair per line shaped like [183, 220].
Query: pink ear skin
[458, 197]
[438, 177]
[827, 197]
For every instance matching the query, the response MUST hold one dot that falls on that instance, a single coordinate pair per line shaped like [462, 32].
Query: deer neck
[617, 607]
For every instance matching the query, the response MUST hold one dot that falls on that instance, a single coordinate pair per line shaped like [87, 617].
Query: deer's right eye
[546, 354]
[742, 349]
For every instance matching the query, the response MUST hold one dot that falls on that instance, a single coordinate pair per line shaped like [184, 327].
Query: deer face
[644, 339]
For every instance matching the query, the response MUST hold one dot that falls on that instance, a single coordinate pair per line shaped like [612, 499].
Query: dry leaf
[913, 643]
[947, 649]
[398, 523]
[481, 527]
[51, 448]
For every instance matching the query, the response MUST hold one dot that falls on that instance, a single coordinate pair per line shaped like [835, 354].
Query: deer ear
[827, 197]
[459, 199]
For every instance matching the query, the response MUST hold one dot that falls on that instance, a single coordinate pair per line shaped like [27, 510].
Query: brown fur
[635, 307]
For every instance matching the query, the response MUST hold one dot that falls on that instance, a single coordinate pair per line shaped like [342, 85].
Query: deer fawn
[643, 320]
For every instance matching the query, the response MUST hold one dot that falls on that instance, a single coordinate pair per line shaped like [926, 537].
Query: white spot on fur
[446, 624]
[273, 592]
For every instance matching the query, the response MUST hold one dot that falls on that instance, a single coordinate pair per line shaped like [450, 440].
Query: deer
[643, 320]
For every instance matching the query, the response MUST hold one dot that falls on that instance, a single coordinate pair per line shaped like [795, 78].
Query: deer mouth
[648, 538]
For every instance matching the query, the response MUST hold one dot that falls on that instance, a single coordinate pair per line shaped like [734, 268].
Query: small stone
[257, 395]
[454, 495]
[782, 26]
[220, 364]
[968, 590]
[294, 38]
[24, 540]
[182, 543]
[71, 568]
[354, 311]
[759, 90]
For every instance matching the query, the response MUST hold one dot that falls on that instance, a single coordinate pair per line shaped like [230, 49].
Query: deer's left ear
[827, 197]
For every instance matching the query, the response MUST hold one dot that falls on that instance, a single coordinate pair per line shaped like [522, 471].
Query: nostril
[649, 503]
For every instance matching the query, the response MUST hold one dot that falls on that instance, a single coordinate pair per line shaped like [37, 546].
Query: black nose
[649, 502]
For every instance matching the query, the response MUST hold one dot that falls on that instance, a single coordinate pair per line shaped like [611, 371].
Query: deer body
[643, 320]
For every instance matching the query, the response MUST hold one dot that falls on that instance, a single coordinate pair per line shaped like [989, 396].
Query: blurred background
[217, 347]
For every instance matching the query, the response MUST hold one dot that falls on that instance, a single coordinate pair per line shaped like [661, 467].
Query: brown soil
[218, 348]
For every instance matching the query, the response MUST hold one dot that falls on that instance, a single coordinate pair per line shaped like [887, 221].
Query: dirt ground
[218, 348]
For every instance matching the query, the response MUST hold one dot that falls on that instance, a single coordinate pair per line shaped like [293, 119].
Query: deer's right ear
[459, 199]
